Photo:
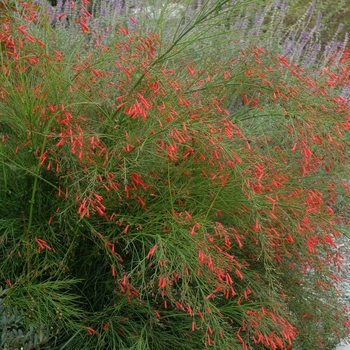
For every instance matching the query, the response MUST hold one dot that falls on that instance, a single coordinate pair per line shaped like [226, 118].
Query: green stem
[212, 203]
[32, 199]
[170, 193]
[30, 222]
[201, 18]
[27, 244]
[32, 202]
[5, 181]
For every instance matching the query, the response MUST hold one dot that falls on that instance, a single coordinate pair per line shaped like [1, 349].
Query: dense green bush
[168, 185]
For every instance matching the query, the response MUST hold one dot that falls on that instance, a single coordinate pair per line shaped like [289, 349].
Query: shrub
[162, 192]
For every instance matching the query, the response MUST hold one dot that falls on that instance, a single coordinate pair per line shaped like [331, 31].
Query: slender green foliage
[168, 186]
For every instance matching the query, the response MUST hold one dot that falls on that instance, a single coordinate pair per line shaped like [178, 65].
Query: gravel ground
[343, 347]
[344, 249]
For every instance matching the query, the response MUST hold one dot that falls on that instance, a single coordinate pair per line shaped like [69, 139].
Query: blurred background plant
[333, 13]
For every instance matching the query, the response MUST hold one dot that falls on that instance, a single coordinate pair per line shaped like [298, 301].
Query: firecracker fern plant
[168, 186]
